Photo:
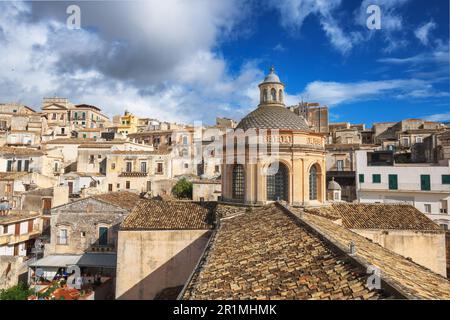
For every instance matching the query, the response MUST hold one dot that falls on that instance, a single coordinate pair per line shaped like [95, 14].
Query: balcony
[13, 239]
[133, 174]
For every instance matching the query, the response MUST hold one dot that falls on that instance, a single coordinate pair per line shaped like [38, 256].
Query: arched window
[313, 183]
[280, 95]
[278, 184]
[238, 182]
[273, 94]
[265, 95]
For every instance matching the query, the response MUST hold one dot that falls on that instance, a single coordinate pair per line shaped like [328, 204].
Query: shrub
[182, 189]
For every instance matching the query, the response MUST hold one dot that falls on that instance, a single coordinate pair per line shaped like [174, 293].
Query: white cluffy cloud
[161, 63]
[335, 93]
[423, 32]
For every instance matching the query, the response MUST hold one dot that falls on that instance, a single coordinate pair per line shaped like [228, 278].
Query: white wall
[409, 186]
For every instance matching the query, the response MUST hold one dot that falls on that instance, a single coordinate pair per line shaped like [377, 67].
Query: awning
[105, 260]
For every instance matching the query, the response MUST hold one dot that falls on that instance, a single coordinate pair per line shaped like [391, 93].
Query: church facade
[293, 168]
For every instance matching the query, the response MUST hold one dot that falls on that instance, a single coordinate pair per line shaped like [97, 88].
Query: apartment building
[425, 186]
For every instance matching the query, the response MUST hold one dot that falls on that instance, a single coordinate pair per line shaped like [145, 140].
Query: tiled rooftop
[272, 253]
[124, 199]
[266, 254]
[411, 279]
[17, 216]
[20, 151]
[152, 214]
[377, 216]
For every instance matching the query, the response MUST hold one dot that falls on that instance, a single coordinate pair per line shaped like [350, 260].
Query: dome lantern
[271, 90]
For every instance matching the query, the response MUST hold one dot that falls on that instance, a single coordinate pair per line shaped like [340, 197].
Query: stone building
[300, 177]
[315, 114]
[89, 224]
[400, 228]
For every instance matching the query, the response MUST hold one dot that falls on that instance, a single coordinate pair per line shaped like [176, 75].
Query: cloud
[279, 48]
[162, 62]
[439, 117]
[294, 12]
[336, 93]
[423, 32]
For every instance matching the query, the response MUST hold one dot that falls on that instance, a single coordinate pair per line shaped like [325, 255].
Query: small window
[99, 156]
[91, 158]
[83, 234]
[143, 167]
[376, 178]
[118, 186]
[129, 164]
[103, 236]
[110, 187]
[427, 208]
[19, 165]
[63, 237]
[186, 165]
[9, 166]
[113, 166]
[159, 168]
[361, 178]
[127, 184]
[425, 183]
[446, 179]
[340, 165]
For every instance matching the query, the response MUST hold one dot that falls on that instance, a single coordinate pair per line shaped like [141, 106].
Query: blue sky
[194, 60]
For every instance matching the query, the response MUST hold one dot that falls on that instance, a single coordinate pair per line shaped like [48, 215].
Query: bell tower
[271, 90]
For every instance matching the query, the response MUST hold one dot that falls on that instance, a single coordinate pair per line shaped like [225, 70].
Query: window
[9, 166]
[54, 116]
[103, 236]
[446, 179]
[61, 117]
[83, 234]
[427, 208]
[26, 166]
[361, 178]
[216, 168]
[159, 168]
[280, 95]
[118, 186]
[113, 166]
[278, 184]
[110, 187]
[185, 140]
[444, 226]
[238, 182]
[128, 168]
[99, 156]
[186, 165]
[127, 184]
[63, 130]
[63, 237]
[265, 95]
[393, 182]
[19, 165]
[419, 139]
[376, 178]
[143, 167]
[405, 142]
[149, 185]
[273, 94]
[425, 183]
[91, 158]
[340, 165]
[313, 183]
[56, 166]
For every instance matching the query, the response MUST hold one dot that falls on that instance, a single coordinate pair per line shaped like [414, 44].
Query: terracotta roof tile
[170, 215]
[124, 199]
[377, 216]
[265, 254]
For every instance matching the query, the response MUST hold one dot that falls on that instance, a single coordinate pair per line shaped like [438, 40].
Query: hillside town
[91, 206]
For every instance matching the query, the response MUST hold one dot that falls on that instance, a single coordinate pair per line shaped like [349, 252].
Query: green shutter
[376, 178]
[361, 178]
[425, 183]
[393, 182]
[446, 179]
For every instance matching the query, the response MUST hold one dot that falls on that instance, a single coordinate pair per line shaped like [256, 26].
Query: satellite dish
[39, 272]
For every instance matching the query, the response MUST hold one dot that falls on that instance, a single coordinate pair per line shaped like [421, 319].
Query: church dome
[271, 77]
[273, 117]
[333, 185]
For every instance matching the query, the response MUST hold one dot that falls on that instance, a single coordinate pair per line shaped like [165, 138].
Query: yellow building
[295, 173]
[126, 124]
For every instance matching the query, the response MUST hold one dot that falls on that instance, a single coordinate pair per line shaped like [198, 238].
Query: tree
[182, 189]
[18, 292]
